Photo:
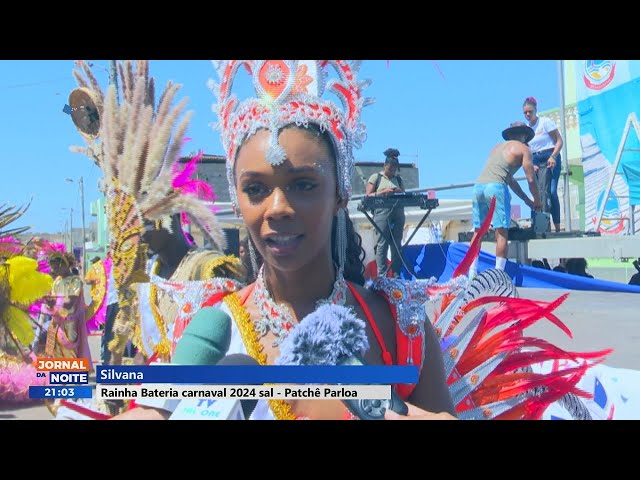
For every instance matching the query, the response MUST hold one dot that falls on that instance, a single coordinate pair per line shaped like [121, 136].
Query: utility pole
[71, 228]
[565, 155]
[84, 232]
[84, 235]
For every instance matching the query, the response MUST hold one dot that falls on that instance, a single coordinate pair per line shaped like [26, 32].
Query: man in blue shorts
[505, 159]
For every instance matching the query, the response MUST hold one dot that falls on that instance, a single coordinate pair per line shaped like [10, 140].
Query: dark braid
[354, 265]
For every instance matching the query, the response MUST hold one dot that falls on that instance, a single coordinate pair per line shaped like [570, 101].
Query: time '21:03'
[61, 392]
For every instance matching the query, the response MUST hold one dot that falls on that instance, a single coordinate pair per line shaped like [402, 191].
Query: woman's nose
[279, 205]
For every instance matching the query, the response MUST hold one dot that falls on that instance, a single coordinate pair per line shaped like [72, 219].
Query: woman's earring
[252, 257]
[341, 237]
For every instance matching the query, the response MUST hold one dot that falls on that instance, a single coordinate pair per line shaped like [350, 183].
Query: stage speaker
[233, 241]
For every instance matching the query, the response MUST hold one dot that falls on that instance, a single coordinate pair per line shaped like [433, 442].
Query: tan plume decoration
[8, 215]
[139, 143]
[137, 147]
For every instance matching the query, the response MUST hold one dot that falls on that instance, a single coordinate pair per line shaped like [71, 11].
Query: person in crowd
[635, 278]
[577, 266]
[390, 221]
[289, 170]
[494, 182]
[67, 335]
[546, 146]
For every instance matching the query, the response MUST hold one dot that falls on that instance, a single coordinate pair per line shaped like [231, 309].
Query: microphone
[333, 335]
[206, 339]
[216, 409]
[239, 359]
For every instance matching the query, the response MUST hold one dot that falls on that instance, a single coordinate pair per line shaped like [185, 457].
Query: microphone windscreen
[242, 360]
[205, 340]
[327, 336]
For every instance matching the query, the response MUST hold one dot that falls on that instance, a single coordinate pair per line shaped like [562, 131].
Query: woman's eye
[303, 185]
[254, 190]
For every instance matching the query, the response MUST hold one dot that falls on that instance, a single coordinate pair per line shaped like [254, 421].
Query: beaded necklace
[277, 318]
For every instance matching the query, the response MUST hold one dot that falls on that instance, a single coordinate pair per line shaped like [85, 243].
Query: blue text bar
[257, 375]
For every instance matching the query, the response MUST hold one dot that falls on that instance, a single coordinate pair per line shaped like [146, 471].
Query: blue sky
[444, 115]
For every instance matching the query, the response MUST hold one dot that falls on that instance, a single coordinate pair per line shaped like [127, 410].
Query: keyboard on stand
[405, 199]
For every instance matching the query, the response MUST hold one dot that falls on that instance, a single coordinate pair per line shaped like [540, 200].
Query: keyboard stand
[415, 230]
[392, 244]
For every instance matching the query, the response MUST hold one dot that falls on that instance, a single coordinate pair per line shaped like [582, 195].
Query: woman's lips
[283, 244]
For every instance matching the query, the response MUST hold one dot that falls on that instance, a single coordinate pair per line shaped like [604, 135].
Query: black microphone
[206, 339]
[333, 335]
[239, 359]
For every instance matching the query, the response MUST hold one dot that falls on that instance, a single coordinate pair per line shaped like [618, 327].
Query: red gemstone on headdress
[273, 77]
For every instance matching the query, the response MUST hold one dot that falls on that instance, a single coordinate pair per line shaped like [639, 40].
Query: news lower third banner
[257, 375]
[245, 392]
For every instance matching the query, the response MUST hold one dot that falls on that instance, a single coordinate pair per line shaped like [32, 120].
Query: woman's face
[529, 112]
[390, 170]
[288, 209]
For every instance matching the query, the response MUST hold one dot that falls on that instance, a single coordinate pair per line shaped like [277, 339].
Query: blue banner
[60, 392]
[608, 103]
[257, 375]
[441, 260]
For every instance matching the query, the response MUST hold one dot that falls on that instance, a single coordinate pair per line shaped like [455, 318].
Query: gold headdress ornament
[136, 146]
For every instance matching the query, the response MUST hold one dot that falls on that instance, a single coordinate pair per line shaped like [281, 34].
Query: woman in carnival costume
[21, 284]
[67, 334]
[289, 166]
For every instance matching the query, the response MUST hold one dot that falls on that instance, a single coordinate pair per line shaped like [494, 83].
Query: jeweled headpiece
[291, 92]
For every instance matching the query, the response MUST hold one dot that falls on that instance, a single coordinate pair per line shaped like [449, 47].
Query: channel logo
[64, 371]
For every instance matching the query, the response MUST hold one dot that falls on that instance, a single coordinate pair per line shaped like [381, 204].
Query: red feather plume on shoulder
[489, 358]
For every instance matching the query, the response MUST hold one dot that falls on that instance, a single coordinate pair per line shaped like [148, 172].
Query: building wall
[212, 169]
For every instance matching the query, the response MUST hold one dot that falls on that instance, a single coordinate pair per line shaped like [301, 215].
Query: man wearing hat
[505, 159]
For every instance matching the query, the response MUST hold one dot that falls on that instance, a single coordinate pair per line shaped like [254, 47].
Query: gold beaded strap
[251, 340]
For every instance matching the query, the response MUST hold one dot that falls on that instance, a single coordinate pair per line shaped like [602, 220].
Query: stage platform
[524, 244]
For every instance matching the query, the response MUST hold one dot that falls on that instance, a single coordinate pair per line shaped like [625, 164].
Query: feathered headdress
[10, 246]
[292, 92]
[140, 145]
[8, 215]
[137, 146]
[20, 285]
